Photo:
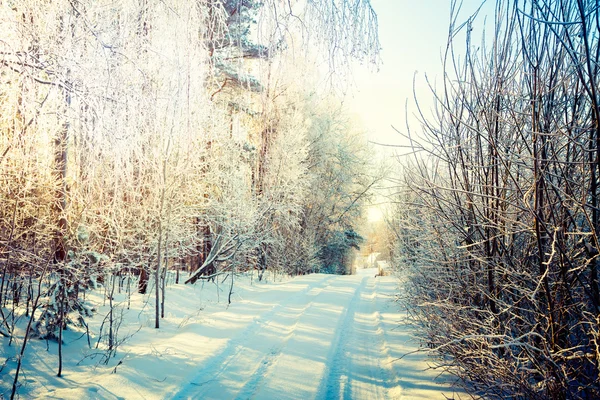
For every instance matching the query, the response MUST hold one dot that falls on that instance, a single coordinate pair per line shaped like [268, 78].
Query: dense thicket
[499, 220]
[145, 135]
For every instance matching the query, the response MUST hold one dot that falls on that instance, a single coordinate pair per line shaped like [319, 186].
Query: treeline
[497, 224]
[142, 136]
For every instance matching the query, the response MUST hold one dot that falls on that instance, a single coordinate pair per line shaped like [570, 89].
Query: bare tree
[498, 219]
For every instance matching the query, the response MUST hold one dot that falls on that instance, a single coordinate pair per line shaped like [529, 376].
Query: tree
[136, 134]
[497, 222]
[341, 174]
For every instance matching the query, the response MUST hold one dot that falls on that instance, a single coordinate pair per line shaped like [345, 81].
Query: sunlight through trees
[142, 136]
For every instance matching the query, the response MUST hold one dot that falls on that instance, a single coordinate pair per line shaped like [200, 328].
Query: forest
[139, 137]
[147, 145]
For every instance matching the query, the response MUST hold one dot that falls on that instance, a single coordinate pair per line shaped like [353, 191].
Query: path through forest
[319, 336]
[310, 337]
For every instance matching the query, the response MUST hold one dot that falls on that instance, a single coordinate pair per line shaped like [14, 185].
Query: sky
[413, 36]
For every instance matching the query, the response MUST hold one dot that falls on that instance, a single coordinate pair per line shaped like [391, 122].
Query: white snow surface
[311, 337]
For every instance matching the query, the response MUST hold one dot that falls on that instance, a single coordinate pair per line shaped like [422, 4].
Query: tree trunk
[143, 281]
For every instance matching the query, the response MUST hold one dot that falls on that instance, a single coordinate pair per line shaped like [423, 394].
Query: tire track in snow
[370, 378]
[312, 306]
[270, 359]
[237, 349]
[258, 376]
[361, 367]
[392, 387]
[304, 361]
[335, 375]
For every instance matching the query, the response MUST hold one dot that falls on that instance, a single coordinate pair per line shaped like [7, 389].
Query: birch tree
[129, 127]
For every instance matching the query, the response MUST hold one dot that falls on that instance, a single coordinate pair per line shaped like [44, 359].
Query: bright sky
[413, 36]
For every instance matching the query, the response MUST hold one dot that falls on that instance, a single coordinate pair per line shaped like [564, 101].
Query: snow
[311, 337]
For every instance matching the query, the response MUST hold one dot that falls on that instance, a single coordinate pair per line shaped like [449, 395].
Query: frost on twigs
[497, 218]
[142, 137]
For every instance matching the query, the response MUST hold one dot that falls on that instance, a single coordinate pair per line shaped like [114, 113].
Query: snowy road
[310, 337]
[319, 336]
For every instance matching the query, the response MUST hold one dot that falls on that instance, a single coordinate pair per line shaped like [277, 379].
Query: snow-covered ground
[311, 337]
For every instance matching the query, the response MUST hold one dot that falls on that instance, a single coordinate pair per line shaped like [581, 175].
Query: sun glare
[374, 214]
